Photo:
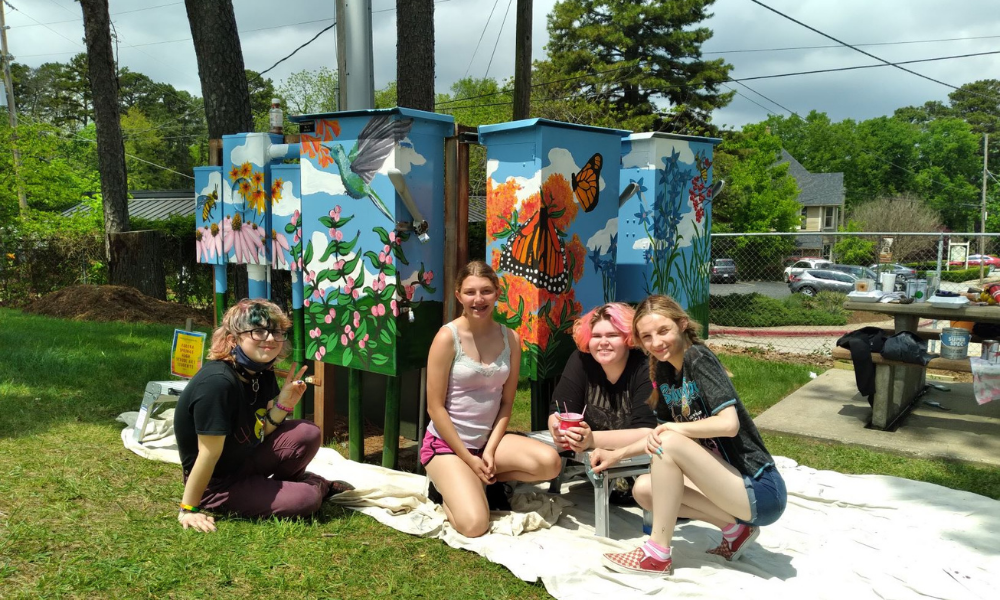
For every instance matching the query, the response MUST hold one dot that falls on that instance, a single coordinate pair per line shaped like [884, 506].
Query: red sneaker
[637, 561]
[732, 551]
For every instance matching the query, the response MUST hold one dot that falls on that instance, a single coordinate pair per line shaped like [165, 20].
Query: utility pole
[522, 61]
[8, 83]
[982, 222]
[355, 65]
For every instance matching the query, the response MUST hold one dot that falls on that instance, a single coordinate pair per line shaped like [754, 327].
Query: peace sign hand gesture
[293, 389]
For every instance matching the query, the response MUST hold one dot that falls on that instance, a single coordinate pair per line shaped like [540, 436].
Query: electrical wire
[497, 43]
[868, 54]
[322, 31]
[481, 36]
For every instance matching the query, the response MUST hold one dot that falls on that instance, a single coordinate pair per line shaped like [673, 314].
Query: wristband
[189, 508]
[280, 406]
[267, 417]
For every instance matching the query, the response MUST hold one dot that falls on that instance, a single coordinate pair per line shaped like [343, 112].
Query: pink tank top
[474, 393]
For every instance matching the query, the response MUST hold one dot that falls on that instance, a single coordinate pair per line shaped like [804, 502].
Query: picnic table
[898, 385]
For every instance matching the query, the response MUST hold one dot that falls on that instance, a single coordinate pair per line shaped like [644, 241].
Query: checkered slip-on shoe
[637, 561]
[732, 551]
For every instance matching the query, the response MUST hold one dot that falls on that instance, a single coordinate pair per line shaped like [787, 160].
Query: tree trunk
[140, 263]
[220, 66]
[110, 146]
[415, 54]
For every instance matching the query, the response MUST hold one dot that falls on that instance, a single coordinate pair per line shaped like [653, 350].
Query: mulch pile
[115, 303]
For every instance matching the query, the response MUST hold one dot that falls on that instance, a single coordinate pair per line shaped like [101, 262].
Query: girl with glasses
[239, 450]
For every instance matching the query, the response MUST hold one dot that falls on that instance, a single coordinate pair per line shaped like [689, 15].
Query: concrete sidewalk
[829, 408]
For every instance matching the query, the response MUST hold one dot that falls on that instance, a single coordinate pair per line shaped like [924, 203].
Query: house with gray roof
[822, 198]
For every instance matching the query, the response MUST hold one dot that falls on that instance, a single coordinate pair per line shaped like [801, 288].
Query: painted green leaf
[327, 222]
[309, 253]
[385, 337]
[347, 357]
[379, 359]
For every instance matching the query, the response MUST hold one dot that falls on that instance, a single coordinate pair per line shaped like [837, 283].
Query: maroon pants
[274, 481]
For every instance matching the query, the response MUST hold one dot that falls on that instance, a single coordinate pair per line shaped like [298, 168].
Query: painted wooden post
[390, 433]
[355, 417]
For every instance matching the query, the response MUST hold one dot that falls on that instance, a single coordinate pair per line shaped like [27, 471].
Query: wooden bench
[898, 385]
[579, 463]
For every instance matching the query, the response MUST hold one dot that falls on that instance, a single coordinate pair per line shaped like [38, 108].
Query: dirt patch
[862, 316]
[754, 352]
[339, 438]
[115, 303]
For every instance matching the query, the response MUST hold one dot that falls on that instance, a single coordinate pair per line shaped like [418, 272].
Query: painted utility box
[371, 269]
[551, 230]
[208, 186]
[246, 197]
[666, 243]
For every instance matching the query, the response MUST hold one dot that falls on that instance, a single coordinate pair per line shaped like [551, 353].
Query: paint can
[917, 289]
[955, 343]
[991, 351]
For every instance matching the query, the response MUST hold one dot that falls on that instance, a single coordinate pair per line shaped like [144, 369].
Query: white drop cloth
[842, 536]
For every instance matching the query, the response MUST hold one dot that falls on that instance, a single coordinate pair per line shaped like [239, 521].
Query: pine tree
[632, 54]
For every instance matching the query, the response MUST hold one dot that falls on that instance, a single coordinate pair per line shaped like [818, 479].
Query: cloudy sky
[155, 40]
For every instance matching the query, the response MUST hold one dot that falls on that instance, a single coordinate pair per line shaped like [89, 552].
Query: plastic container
[955, 343]
[917, 289]
[991, 351]
[864, 285]
[888, 282]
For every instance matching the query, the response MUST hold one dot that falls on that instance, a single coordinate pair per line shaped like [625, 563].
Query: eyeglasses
[260, 334]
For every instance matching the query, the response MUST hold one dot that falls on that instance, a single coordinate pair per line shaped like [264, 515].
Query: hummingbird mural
[375, 143]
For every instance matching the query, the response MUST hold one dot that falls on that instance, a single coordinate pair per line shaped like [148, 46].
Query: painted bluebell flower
[595, 257]
[643, 215]
[647, 254]
[613, 248]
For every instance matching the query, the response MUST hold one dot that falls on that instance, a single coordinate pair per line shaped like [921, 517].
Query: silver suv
[803, 264]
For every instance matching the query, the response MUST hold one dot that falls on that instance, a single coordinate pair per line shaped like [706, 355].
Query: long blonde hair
[665, 306]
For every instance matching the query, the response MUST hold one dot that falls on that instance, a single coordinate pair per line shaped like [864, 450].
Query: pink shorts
[433, 446]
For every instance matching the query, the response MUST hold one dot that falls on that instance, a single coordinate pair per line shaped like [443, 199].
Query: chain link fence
[785, 292]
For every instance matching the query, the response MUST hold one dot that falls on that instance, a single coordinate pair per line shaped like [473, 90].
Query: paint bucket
[955, 343]
[888, 282]
[917, 289]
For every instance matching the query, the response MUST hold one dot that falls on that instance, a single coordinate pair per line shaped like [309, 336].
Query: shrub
[756, 310]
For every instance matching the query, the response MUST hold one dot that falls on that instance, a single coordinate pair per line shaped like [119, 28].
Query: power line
[824, 46]
[14, 8]
[322, 31]
[481, 36]
[856, 49]
[497, 43]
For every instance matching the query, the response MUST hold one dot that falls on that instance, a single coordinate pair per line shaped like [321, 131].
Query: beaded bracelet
[189, 508]
[279, 406]
[267, 417]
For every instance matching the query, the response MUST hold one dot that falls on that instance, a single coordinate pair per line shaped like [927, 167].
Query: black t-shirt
[701, 390]
[621, 405]
[216, 402]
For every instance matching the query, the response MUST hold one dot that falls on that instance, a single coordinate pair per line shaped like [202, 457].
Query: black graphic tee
[217, 402]
[610, 406]
[702, 389]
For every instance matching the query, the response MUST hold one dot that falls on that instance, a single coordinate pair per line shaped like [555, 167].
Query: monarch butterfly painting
[536, 254]
[587, 183]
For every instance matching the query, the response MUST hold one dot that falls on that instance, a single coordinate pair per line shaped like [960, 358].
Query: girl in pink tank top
[472, 372]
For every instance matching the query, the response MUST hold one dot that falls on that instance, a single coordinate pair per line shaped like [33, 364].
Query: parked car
[723, 271]
[813, 281]
[975, 259]
[856, 270]
[902, 272]
[802, 265]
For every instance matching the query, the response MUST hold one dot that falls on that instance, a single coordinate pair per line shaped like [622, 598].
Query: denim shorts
[767, 497]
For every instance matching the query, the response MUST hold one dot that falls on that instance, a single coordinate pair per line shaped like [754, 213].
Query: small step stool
[157, 394]
[629, 467]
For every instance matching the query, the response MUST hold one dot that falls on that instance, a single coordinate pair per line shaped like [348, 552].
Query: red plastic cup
[567, 420]
[994, 291]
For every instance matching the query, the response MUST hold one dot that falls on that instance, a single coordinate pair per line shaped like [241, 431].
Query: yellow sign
[186, 353]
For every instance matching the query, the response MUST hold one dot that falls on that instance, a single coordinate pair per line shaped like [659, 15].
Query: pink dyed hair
[617, 313]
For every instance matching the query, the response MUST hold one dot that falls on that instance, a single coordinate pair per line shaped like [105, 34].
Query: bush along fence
[777, 300]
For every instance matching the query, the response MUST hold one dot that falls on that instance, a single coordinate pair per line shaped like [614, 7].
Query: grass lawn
[81, 517]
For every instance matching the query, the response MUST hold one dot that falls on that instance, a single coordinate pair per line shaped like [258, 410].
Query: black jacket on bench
[904, 346]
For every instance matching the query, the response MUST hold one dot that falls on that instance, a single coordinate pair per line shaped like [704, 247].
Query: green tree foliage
[310, 92]
[854, 250]
[628, 56]
[918, 151]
